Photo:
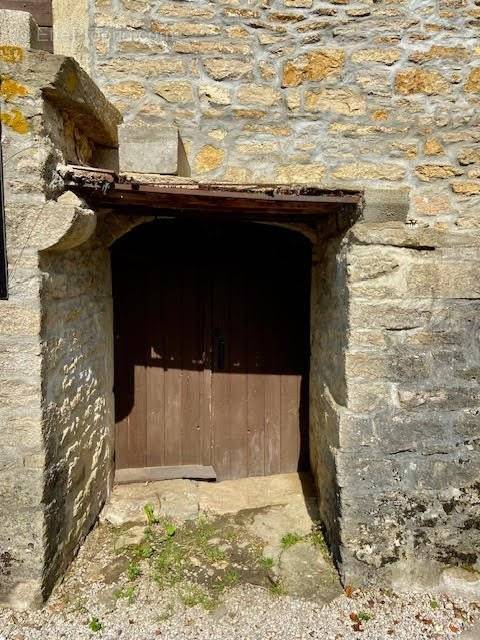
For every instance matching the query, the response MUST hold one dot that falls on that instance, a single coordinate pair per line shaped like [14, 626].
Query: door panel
[211, 350]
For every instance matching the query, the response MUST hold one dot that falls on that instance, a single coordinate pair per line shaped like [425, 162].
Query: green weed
[144, 550]
[214, 554]
[277, 589]
[290, 539]
[125, 592]
[266, 563]
[133, 570]
[319, 541]
[363, 615]
[94, 624]
[169, 564]
[150, 514]
[230, 578]
[193, 595]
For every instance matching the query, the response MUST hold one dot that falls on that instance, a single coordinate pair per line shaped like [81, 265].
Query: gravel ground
[248, 612]
[161, 581]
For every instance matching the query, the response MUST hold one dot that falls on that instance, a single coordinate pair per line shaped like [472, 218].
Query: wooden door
[41, 11]
[211, 349]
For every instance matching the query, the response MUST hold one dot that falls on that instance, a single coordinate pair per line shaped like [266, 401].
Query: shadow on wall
[328, 388]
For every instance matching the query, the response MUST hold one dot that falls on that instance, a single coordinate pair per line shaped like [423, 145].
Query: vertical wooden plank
[174, 319]
[274, 345]
[295, 364]
[237, 364]
[155, 374]
[191, 358]
[290, 438]
[206, 415]
[137, 422]
[220, 376]
[257, 303]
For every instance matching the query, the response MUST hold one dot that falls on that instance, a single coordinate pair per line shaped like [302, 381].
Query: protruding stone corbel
[64, 224]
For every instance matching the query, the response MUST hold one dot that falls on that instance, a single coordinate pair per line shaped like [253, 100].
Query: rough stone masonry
[383, 97]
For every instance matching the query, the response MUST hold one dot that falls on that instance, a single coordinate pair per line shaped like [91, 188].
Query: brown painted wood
[155, 296]
[152, 474]
[100, 189]
[212, 348]
[41, 10]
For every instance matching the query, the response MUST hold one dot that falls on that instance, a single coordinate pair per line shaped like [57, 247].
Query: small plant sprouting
[170, 529]
[364, 615]
[267, 563]
[150, 514]
[319, 541]
[193, 595]
[276, 589]
[434, 604]
[231, 578]
[214, 554]
[144, 550]
[126, 592]
[94, 624]
[133, 570]
[289, 539]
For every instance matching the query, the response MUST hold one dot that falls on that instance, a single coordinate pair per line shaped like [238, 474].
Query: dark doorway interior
[211, 325]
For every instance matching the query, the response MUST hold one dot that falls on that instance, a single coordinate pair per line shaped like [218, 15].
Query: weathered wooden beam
[180, 202]
[153, 474]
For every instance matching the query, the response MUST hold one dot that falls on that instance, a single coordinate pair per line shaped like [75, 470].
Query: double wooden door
[211, 328]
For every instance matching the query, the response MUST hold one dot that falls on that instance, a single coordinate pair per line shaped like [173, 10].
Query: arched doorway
[211, 325]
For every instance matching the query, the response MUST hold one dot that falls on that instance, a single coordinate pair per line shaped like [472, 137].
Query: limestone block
[18, 28]
[386, 204]
[453, 278]
[151, 149]
[369, 171]
[223, 69]
[70, 35]
[209, 158]
[316, 65]
[409, 81]
[473, 83]
[308, 173]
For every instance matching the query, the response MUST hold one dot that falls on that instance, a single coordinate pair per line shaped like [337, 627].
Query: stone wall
[55, 391]
[303, 90]
[77, 378]
[408, 458]
[395, 436]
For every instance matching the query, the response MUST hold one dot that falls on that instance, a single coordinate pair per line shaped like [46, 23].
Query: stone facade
[383, 97]
[330, 93]
[379, 96]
